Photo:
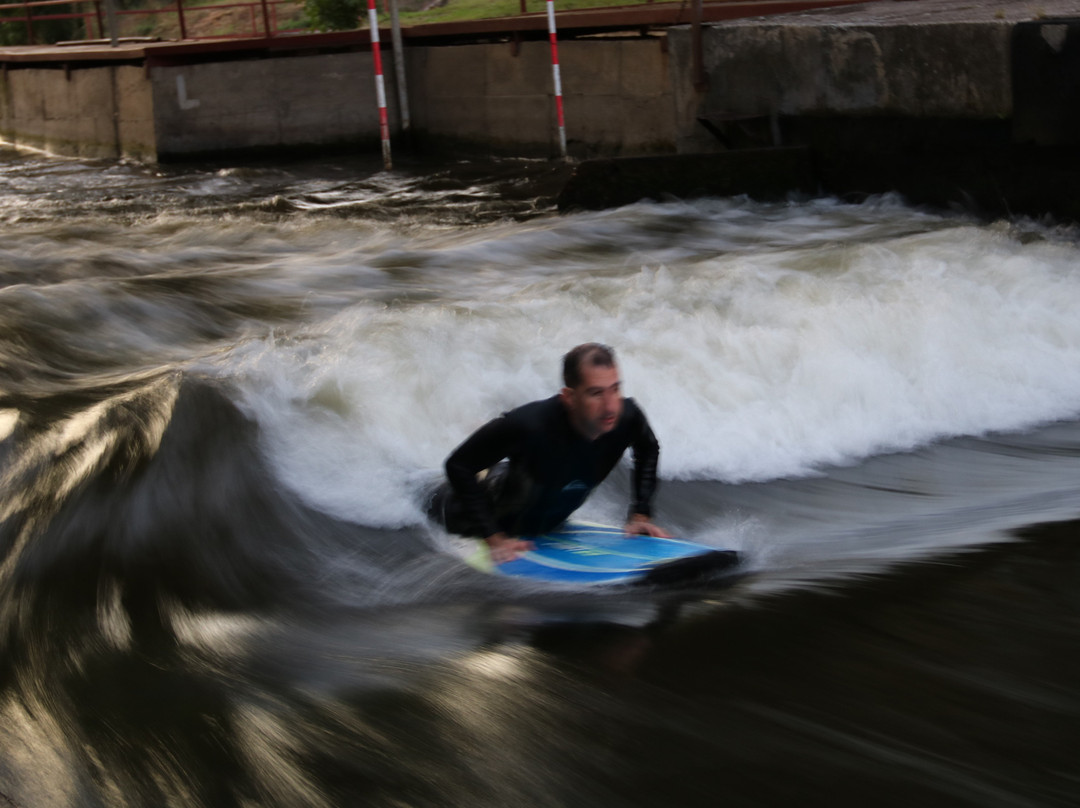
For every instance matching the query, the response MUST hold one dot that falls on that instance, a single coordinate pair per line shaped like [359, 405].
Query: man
[559, 450]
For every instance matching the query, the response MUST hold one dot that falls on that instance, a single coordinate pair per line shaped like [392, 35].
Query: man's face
[596, 404]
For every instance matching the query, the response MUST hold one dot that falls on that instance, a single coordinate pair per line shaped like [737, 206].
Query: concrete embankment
[485, 96]
[485, 85]
[973, 102]
[161, 101]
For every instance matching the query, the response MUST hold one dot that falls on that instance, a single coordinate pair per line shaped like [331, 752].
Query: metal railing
[269, 18]
[256, 18]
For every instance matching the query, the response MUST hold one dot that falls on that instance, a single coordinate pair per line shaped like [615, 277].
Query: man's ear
[567, 396]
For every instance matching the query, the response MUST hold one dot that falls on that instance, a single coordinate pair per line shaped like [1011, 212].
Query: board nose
[690, 569]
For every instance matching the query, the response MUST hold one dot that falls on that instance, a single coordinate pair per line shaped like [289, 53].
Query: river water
[223, 393]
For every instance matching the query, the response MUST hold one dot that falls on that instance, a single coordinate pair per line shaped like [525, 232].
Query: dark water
[223, 392]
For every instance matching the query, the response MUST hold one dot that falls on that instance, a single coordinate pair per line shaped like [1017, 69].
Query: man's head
[593, 391]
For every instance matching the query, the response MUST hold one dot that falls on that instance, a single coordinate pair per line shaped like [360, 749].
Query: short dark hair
[591, 354]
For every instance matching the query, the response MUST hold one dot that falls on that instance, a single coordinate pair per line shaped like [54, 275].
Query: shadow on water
[944, 683]
[126, 521]
[160, 487]
[948, 683]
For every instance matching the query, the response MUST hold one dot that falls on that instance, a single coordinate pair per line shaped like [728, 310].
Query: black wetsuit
[552, 469]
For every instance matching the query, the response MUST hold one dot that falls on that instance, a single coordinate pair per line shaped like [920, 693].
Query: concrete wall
[325, 99]
[493, 97]
[616, 95]
[136, 132]
[952, 70]
[949, 104]
[93, 112]
[623, 97]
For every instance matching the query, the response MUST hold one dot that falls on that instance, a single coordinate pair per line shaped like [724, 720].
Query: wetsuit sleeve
[646, 453]
[491, 443]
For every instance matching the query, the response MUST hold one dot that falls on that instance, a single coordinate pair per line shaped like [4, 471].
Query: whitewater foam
[812, 348]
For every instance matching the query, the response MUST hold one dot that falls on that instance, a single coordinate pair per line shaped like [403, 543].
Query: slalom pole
[558, 79]
[399, 67]
[380, 89]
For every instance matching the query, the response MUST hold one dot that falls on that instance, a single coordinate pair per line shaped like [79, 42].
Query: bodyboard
[580, 553]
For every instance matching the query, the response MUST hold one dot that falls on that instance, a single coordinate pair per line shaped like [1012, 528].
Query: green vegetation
[45, 31]
[333, 15]
[342, 14]
[462, 10]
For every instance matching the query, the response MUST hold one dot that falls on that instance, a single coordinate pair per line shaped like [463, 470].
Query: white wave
[821, 345]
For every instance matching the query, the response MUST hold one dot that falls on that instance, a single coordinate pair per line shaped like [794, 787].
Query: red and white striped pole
[380, 88]
[558, 79]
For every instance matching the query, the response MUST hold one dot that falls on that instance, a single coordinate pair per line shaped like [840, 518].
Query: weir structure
[485, 84]
[949, 101]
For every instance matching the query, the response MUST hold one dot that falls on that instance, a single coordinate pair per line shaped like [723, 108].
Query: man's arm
[646, 454]
[483, 449]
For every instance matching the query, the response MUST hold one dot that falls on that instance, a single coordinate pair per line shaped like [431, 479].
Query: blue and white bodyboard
[580, 553]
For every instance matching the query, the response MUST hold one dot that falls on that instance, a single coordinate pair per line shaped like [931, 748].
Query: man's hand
[642, 525]
[504, 548]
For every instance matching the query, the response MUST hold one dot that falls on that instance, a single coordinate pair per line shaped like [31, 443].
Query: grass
[463, 10]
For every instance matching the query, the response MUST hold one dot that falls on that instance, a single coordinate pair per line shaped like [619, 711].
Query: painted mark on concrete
[181, 94]
[1054, 36]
